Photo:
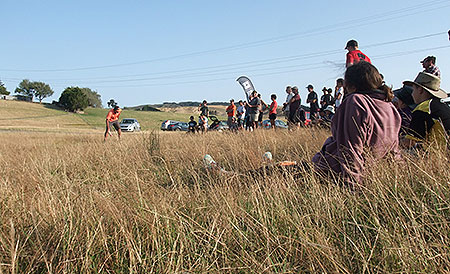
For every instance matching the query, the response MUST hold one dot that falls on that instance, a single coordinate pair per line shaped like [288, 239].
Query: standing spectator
[326, 99]
[112, 119]
[294, 106]
[203, 122]
[253, 111]
[429, 65]
[289, 96]
[365, 126]
[323, 103]
[262, 108]
[231, 111]
[312, 100]
[192, 125]
[203, 108]
[354, 55]
[247, 112]
[330, 97]
[240, 114]
[273, 110]
[338, 92]
[431, 118]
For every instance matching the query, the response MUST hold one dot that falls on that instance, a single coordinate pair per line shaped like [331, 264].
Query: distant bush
[73, 99]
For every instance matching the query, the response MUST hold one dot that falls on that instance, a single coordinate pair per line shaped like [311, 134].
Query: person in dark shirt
[404, 103]
[430, 120]
[203, 108]
[253, 111]
[312, 100]
[323, 103]
[192, 125]
[294, 106]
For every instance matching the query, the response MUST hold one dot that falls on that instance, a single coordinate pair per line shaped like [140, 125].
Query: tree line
[71, 99]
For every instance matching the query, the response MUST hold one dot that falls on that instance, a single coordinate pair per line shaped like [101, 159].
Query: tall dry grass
[146, 204]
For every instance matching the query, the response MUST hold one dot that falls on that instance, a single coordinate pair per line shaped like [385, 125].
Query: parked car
[130, 124]
[216, 124]
[179, 126]
[166, 124]
[278, 124]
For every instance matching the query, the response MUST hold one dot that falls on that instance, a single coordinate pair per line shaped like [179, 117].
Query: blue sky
[143, 52]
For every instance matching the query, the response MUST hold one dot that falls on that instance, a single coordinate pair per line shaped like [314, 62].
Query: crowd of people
[364, 114]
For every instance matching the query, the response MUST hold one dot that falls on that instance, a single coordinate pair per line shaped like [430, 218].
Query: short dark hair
[352, 43]
[274, 96]
[340, 81]
[204, 102]
[432, 59]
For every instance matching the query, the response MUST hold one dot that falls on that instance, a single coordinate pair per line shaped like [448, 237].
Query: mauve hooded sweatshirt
[364, 123]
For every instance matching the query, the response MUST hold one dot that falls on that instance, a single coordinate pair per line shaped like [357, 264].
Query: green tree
[73, 99]
[3, 90]
[42, 90]
[94, 98]
[25, 88]
[32, 89]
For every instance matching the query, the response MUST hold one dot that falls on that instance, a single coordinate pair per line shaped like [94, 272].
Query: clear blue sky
[141, 52]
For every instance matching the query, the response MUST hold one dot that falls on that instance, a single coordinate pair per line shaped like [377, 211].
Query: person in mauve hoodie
[366, 122]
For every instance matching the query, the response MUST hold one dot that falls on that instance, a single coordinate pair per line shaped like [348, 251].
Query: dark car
[166, 123]
[278, 124]
[179, 126]
[216, 124]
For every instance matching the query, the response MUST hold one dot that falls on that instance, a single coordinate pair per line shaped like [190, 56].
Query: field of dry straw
[70, 203]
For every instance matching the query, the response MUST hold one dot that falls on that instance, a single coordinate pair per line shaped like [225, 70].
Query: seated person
[404, 103]
[192, 125]
[430, 120]
[325, 117]
[366, 121]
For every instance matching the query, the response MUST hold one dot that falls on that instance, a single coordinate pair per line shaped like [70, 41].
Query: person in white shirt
[240, 114]
[339, 92]
[289, 97]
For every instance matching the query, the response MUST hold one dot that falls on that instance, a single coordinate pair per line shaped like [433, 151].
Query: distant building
[16, 98]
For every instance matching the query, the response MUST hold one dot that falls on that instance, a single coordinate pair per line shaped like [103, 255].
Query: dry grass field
[70, 203]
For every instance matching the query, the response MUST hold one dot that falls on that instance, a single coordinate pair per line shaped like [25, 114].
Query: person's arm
[107, 126]
[349, 60]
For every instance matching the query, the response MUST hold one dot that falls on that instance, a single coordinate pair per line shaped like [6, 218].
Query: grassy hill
[16, 115]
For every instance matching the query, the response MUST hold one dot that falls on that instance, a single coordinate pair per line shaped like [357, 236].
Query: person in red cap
[112, 119]
[354, 55]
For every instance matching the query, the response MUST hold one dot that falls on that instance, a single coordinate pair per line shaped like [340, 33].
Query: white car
[130, 124]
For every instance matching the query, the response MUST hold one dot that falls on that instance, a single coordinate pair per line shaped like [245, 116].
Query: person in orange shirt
[112, 119]
[231, 111]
